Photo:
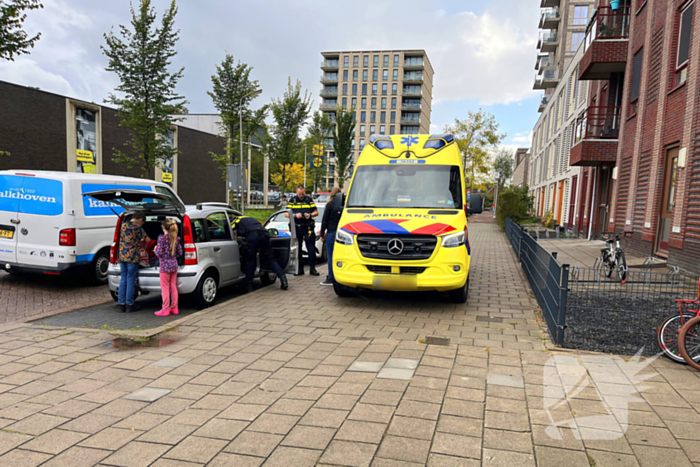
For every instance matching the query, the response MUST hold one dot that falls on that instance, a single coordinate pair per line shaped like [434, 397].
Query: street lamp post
[304, 166]
[240, 140]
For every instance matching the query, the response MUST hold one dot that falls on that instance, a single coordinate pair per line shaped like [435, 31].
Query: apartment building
[521, 167]
[390, 90]
[563, 24]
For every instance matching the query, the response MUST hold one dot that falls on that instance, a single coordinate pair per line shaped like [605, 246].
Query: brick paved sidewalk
[264, 380]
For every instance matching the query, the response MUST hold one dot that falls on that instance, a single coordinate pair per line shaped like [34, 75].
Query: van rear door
[9, 216]
[39, 222]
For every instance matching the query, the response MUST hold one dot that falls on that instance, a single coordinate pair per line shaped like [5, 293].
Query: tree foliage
[345, 133]
[514, 202]
[14, 40]
[293, 176]
[282, 140]
[146, 96]
[232, 93]
[475, 136]
[503, 166]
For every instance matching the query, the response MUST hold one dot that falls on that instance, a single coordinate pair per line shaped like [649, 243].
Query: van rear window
[31, 195]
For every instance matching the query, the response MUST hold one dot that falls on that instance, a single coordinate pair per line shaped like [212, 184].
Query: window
[382, 129]
[364, 102]
[375, 61]
[356, 60]
[345, 89]
[365, 60]
[391, 130]
[396, 60]
[345, 75]
[362, 130]
[394, 88]
[345, 101]
[346, 61]
[354, 102]
[365, 74]
[382, 117]
[363, 116]
[636, 78]
[576, 40]
[384, 89]
[393, 117]
[386, 60]
[373, 117]
[352, 144]
[372, 129]
[374, 89]
[354, 89]
[580, 15]
[385, 75]
[362, 143]
[383, 102]
[364, 89]
[374, 102]
[393, 102]
[217, 226]
[354, 75]
[86, 124]
[395, 77]
[683, 48]
[375, 75]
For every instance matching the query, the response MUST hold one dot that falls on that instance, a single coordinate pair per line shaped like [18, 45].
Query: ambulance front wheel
[459, 295]
[342, 290]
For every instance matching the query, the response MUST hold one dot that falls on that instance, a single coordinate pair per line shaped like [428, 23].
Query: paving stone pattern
[264, 381]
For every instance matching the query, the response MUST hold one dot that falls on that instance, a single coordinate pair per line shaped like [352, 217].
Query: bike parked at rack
[613, 258]
[668, 332]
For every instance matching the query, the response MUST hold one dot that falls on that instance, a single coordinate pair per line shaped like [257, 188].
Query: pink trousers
[168, 285]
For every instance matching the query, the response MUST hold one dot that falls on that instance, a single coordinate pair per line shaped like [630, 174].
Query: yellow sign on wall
[167, 178]
[89, 168]
[318, 150]
[84, 155]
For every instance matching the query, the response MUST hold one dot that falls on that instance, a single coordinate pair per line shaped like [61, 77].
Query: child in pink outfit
[167, 250]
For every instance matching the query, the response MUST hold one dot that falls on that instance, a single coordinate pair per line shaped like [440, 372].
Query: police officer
[257, 239]
[304, 210]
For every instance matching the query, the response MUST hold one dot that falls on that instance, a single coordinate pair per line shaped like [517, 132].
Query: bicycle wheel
[621, 266]
[607, 264]
[689, 342]
[667, 335]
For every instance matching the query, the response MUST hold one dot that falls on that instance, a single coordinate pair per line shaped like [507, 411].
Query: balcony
[411, 106]
[548, 41]
[413, 63]
[329, 92]
[595, 137]
[329, 106]
[329, 65]
[412, 92]
[543, 61]
[413, 78]
[329, 78]
[543, 104]
[549, 3]
[605, 44]
[550, 19]
[410, 120]
[547, 78]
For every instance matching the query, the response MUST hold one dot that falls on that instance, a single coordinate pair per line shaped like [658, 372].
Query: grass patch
[260, 214]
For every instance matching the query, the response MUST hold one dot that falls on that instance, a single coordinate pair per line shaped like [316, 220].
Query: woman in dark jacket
[329, 225]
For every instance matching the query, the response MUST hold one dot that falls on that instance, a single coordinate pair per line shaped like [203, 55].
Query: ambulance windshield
[406, 186]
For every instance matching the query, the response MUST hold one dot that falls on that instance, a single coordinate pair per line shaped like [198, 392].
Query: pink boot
[163, 313]
[174, 311]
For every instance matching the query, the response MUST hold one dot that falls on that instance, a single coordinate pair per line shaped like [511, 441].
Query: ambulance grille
[415, 247]
[402, 270]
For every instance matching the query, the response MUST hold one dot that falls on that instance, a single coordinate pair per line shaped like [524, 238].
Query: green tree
[147, 97]
[232, 93]
[14, 40]
[503, 166]
[344, 135]
[514, 202]
[282, 140]
[475, 136]
[320, 130]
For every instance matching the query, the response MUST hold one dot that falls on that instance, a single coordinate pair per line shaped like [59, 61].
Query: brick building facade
[521, 167]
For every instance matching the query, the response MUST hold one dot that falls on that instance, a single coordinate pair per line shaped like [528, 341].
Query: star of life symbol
[611, 383]
[409, 140]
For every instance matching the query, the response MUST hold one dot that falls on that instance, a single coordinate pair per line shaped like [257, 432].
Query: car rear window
[31, 195]
[94, 207]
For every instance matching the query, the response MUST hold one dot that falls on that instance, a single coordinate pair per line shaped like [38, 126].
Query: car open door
[284, 248]
[132, 199]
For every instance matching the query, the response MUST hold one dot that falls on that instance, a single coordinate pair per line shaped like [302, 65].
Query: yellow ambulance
[404, 223]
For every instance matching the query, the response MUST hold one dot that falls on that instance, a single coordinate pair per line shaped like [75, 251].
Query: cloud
[522, 138]
[28, 72]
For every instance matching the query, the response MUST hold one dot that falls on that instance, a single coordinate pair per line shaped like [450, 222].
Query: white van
[47, 226]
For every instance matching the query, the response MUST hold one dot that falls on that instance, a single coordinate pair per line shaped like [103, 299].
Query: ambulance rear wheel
[342, 290]
[459, 295]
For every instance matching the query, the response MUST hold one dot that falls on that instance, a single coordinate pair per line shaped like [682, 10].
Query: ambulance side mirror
[338, 202]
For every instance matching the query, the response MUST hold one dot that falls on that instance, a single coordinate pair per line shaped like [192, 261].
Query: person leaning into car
[304, 210]
[130, 238]
[257, 239]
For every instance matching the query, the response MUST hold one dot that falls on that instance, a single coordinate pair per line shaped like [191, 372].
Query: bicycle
[689, 342]
[614, 257]
[668, 332]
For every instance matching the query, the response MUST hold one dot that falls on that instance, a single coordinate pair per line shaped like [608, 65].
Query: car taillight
[190, 248]
[67, 237]
[113, 249]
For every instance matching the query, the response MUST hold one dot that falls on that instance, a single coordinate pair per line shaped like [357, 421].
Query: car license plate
[6, 233]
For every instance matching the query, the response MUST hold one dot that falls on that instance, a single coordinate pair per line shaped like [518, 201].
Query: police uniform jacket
[246, 225]
[302, 206]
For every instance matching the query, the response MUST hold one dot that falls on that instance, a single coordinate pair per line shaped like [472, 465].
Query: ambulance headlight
[453, 240]
[344, 238]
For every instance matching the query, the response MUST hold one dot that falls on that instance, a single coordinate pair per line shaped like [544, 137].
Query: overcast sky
[483, 52]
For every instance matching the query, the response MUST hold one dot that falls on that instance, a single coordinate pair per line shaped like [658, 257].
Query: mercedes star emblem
[395, 246]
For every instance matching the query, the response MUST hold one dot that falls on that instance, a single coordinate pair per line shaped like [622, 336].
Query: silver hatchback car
[212, 257]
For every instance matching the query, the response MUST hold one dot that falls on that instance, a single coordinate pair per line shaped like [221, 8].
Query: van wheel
[205, 295]
[342, 290]
[459, 295]
[115, 295]
[99, 267]
[268, 278]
